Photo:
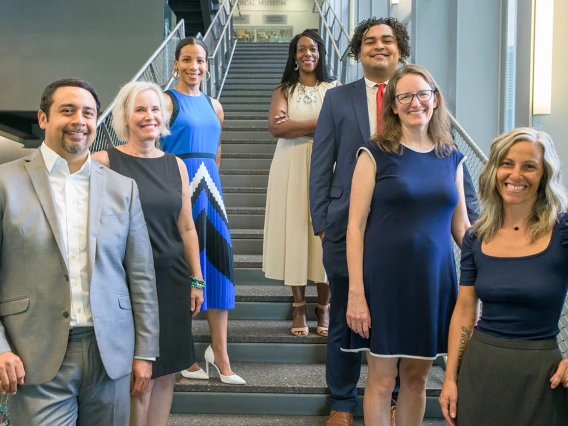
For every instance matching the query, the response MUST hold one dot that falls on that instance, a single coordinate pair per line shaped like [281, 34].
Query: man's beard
[74, 148]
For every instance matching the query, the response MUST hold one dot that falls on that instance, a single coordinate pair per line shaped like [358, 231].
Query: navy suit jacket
[343, 127]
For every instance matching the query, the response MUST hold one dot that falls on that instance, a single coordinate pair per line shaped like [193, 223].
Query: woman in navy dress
[407, 202]
[139, 119]
[196, 139]
[515, 261]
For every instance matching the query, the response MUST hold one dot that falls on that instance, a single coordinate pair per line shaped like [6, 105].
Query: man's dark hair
[398, 29]
[47, 96]
[193, 41]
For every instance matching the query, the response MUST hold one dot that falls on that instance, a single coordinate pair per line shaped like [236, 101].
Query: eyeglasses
[422, 96]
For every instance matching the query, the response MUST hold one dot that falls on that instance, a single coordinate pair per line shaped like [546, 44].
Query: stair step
[225, 100]
[259, 109]
[244, 190]
[275, 389]
[256, 135]
[254, 277]
[244, 172]
[264, 311]
[259, 420]
[256, 93]
[235, 199]
[248, 149]
[252, 178]
[273, 60]
[247, 87]
[248, 261]
[285, 378]
[237, 233]
[251, 79]
[241, 331]
[258, 72]
[246, 115]
[272, 293]
[245, 163]
[249, 155]
[246, 218]
[258, 66]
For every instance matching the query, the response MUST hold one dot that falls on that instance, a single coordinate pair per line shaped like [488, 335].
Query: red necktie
[380, 95]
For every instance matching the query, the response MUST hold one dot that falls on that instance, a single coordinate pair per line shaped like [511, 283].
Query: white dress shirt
[71, 198]
[372, 104]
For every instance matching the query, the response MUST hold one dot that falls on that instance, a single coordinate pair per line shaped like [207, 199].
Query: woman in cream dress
[292, 253]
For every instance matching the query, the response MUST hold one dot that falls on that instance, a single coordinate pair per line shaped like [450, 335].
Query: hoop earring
[175, 74]
[209, 77]
[296, 66]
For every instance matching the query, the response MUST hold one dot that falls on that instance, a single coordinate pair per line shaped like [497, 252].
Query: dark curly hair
[290, 77]
[399, 30]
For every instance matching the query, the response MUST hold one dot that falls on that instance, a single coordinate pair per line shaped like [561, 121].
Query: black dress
[159, 184]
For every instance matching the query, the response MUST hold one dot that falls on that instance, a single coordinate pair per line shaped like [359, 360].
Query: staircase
[197, 14]
[285, 374]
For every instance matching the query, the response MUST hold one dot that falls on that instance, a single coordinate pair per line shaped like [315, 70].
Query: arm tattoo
[466, 334]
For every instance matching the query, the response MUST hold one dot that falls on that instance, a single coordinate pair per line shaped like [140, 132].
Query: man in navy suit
[348, 119]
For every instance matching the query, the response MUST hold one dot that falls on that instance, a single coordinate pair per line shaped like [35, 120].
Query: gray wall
[556, 124]
[103, 41]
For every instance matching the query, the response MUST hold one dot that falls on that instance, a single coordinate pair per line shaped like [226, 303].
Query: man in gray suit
[78, 305]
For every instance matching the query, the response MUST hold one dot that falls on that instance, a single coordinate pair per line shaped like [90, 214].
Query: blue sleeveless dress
[195, 139]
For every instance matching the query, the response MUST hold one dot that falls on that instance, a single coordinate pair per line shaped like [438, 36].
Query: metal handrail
[144, 67]
[220, 40]
[336, 61]
[157, 69]
[473, 146]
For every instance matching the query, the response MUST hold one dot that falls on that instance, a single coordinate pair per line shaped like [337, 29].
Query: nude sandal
[300, 331]
[322, 330]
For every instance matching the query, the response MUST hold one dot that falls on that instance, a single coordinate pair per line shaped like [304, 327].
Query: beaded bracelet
[197, 283]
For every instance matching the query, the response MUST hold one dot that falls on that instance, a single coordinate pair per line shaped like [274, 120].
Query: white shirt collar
[50, 157]
[371, 84]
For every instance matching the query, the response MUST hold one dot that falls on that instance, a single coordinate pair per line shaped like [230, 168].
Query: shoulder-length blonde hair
[551, 195]
[389, 136]
[124, 107]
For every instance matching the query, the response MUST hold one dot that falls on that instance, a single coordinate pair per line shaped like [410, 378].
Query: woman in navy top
[515, 261]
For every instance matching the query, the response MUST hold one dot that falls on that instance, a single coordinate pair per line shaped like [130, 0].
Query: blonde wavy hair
[551, 196]
[124, 107]
[389, 137]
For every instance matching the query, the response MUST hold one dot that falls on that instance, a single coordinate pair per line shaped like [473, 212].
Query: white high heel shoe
[198, 375]
[233, 379]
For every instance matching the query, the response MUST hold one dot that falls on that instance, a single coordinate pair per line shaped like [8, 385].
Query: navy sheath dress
[409, 271]
[159, 184]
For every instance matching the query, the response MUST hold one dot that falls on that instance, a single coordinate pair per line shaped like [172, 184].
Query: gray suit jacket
[34, 282]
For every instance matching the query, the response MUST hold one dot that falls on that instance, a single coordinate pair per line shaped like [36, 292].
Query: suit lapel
[359, 99]
[35, 166]
[96, 189]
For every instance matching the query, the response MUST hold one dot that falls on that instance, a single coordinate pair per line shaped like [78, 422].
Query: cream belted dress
[291, 251]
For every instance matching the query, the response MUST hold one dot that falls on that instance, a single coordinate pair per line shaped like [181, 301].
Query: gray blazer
[34, 281]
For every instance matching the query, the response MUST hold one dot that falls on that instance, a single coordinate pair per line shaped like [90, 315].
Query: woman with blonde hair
[139, 119]
[407, 202]
[509, 370]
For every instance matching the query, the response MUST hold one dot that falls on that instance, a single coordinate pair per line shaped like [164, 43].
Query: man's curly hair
[398, 29]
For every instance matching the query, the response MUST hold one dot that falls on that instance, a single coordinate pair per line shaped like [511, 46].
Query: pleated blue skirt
[211, 223]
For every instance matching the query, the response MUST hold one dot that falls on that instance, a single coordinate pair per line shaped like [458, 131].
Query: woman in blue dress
[196, 139]
[515, 261]
[407, 202]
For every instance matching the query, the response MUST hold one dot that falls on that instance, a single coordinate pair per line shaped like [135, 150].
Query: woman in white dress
[292, 253]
